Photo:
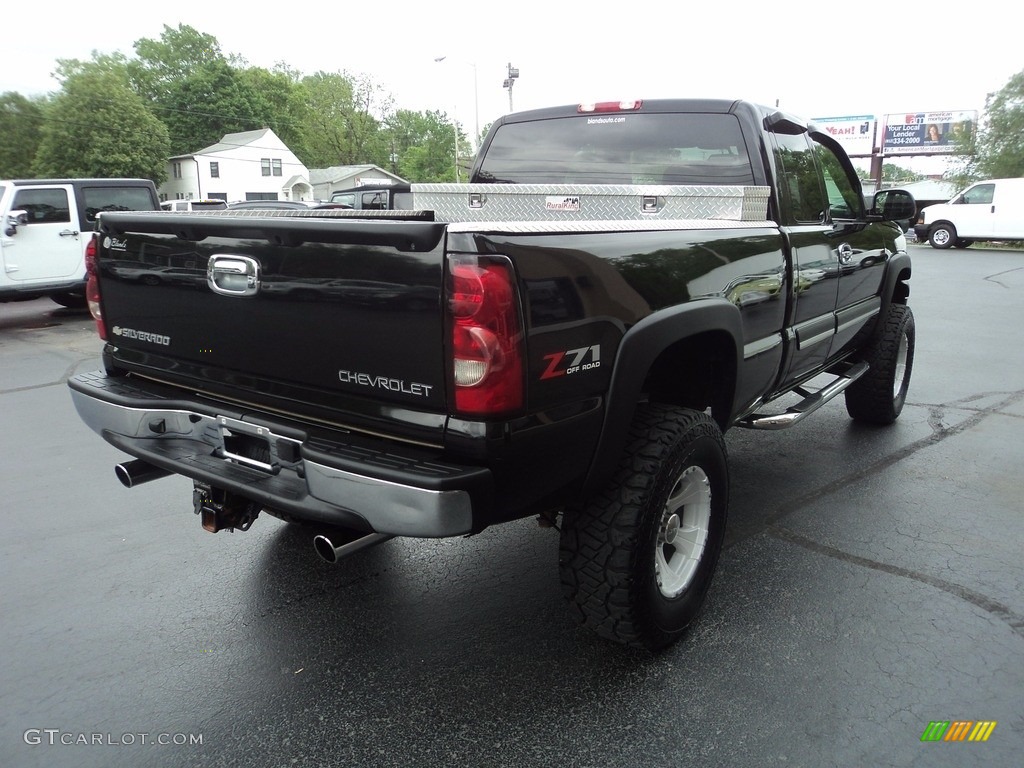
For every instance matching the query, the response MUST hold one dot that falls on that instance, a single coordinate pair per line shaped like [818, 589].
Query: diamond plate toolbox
[588, 202]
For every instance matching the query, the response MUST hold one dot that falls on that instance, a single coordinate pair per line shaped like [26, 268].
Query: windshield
[619, 149]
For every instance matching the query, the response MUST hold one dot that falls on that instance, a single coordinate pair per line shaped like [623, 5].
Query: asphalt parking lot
[872, 584]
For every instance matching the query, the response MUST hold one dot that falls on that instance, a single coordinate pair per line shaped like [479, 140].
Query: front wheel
[878, 396]
[637, 559]
[942, 236]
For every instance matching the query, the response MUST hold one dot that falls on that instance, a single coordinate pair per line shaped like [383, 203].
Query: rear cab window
[803, 200]
[640, 148]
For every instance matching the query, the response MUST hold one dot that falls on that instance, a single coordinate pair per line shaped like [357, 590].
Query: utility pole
[513, 75]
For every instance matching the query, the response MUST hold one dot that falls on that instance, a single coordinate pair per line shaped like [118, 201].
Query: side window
[100, 199]
[803, 199]
[375, 201]
[980, 194]
[43, 205]
[844, 200]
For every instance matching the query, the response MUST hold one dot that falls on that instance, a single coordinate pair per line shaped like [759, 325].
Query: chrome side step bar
[813, 400]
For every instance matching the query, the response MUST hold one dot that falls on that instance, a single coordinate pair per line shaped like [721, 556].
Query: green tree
[342, 124]
[278, 104]
[423, 146]
[21, 120]
[200, 93]
[996, 150]
[213, 100]
[163, 63]
[97, 126]
[893, 174]
[112, 63]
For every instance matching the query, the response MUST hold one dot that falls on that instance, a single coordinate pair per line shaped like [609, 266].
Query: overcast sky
[816, 59]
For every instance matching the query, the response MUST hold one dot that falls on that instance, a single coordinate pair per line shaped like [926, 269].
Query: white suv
[46, 225]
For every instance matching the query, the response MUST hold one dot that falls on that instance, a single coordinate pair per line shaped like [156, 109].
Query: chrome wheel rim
[683, 532]
[901, 368]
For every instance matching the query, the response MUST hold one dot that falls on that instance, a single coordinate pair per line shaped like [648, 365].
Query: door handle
[845, 253]
[68, 233]
[231, 275]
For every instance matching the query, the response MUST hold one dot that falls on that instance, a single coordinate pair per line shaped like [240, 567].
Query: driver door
[50, 245]
[861, 248]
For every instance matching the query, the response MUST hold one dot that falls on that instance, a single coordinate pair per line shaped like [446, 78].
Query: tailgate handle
[231, 275]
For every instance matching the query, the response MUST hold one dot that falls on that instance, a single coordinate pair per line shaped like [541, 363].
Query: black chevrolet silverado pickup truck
[569, 336]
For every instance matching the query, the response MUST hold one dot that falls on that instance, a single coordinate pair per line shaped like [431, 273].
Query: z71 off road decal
[572, 361]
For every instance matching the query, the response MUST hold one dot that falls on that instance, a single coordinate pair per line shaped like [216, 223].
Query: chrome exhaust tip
[341, 546]
[133, 473]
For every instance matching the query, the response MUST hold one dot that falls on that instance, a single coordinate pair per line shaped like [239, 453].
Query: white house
[253, 165]
[327, 180]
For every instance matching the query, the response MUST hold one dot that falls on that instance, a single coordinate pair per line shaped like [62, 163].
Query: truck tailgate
[309, 309]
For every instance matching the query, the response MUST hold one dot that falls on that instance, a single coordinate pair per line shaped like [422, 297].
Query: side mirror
[895, 204]
[15, 219]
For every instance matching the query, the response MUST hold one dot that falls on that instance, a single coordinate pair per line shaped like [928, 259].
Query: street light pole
[476, 112]
[455, 127]
[476, 101]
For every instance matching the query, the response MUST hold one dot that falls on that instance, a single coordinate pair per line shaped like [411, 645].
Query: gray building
[327, 180]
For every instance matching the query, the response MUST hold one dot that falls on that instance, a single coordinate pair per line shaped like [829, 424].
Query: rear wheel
[70, 300]
[878, 396]
[942, 236]
[637, 559]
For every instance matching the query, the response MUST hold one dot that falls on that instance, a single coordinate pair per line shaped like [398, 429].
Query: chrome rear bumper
[382, 491]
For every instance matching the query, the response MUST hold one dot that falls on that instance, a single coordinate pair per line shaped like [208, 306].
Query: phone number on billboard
[908, 140]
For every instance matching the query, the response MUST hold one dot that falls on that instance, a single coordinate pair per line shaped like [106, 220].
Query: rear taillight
[92, 285]
[486, 336]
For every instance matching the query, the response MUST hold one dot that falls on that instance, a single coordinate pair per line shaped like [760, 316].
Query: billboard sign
[926, 133]
[855, 133]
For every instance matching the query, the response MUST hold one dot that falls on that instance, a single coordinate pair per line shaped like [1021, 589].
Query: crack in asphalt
[68, 373]
[940, 432]
[994, 607]
[991, 278]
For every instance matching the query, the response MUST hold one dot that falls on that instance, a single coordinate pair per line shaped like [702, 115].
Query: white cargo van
[193, 205]
[46, 225]
[988, 210]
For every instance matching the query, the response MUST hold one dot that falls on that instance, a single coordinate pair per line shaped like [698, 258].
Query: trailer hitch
[221, 510]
